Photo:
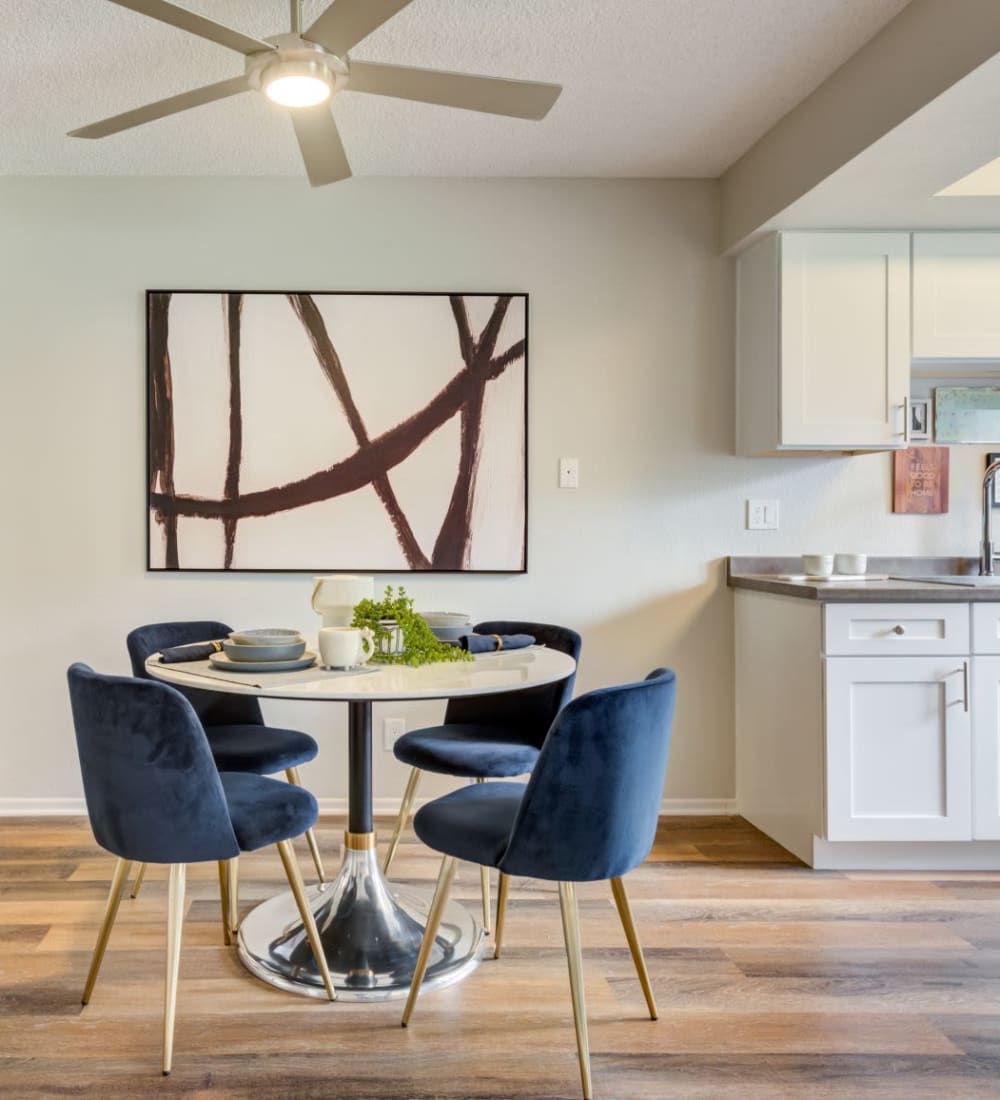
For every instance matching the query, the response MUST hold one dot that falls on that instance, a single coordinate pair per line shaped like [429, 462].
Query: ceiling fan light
[297, 83]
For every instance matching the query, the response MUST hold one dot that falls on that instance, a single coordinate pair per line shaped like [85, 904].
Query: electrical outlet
[762, 515]
[391, 729]
[569, 473]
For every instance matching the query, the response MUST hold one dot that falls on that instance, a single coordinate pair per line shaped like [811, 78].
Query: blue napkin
[489, 643]
[198, 651]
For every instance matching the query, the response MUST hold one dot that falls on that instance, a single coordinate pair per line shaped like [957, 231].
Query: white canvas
[337, 431]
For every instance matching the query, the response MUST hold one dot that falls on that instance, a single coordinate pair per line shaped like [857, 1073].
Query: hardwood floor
[772, 980]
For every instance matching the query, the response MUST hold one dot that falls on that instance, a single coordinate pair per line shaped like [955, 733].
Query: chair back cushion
[591, 806]
[153, 792]
[214, 708]
[531, 711]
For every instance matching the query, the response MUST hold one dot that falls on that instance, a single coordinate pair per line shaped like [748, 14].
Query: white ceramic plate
[220, 660]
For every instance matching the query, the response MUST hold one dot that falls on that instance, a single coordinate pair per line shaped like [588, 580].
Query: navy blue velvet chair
[234, 724]
[154, 795]
[589, 812]
[487, 736]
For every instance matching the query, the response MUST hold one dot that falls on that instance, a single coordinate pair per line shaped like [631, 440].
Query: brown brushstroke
[308, 313]
[453, 546]
[352, 473]
[161, 426]
[234, 312]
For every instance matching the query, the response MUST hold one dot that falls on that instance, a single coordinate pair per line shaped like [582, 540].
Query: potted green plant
[402, 636]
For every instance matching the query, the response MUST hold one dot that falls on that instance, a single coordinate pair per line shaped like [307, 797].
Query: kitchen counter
[868, 714]
[760, 574]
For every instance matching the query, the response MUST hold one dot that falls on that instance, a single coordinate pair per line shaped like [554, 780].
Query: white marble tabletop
[485, 674]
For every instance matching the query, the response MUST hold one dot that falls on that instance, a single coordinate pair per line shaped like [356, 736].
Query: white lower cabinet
[986, 748]
[868, 734]
[898, 748]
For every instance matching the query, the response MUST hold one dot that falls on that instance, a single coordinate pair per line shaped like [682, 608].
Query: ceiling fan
[301, 70]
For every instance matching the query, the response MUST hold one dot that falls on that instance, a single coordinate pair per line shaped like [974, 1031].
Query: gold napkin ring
[499, 642]
[217, 647]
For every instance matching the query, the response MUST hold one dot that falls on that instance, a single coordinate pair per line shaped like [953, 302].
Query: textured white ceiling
[652, 87]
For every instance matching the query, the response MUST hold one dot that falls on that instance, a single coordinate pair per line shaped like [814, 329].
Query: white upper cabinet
[823, 342]
[956, 295]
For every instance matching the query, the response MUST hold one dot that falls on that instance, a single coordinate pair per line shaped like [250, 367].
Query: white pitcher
[335, 597]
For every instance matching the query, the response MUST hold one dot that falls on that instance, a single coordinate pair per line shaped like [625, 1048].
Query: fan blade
[494, 96]
[196, 24]
[319, 139]
[346, 22]
[163, 107]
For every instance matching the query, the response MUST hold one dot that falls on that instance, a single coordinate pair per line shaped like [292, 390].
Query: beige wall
[630, 369]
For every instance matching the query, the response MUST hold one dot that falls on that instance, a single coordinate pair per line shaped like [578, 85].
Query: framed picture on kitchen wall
[920, 418]
[303, 431]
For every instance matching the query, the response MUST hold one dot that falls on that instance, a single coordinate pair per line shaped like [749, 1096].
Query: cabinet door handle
[965, 686]
[905, 433]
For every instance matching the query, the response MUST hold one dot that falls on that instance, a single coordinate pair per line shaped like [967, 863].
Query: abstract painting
[337, 431]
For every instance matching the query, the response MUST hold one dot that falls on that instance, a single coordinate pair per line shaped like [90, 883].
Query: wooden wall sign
[920, 480]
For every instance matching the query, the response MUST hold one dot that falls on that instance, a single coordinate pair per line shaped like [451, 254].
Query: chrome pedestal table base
[371, 932]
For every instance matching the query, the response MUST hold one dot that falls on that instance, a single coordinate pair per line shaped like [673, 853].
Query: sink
[965, 580]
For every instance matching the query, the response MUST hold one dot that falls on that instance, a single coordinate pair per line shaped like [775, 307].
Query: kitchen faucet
[986, 551]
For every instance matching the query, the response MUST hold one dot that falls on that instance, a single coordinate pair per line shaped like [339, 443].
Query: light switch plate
[569, 473]
[762, 515]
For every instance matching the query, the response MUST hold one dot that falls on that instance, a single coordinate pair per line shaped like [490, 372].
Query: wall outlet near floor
[391, 729]
[762, 515]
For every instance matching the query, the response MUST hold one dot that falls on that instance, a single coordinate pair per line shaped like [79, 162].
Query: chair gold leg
[502, 889]
[484, 883]
[625, 913]
[233, 894]
[118, 880]
[137, 883]
[227, 939]
[294, 876]
[175, 921]
[574, 957]
[402, 817]
[444, 881]
[292, 775]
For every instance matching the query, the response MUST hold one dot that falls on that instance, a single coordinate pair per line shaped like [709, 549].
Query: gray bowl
[282, 651]
[440, 620]
[270, 635]
[450, 633]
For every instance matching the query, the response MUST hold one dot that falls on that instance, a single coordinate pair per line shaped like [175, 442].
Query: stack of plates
[266, 650]
[448, 626]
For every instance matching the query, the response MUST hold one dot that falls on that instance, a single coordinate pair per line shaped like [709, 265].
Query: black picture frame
[165, 501]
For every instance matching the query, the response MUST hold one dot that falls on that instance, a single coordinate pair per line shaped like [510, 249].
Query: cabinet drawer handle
[899, 629]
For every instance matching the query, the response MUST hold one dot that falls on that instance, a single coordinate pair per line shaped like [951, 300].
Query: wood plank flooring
[772, 980]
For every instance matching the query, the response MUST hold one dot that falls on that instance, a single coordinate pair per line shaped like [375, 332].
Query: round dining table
[371, 929]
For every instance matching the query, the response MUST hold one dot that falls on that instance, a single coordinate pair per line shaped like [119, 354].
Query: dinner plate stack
[448, 626]
[270, 649]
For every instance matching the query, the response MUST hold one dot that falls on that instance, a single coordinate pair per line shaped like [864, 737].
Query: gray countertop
[760, 575]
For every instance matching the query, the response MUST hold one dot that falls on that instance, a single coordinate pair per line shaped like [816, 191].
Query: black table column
[359, 765]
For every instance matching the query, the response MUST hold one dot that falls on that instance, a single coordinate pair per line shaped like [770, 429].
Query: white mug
[345, 646]
[818, 565]
[850, 563]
